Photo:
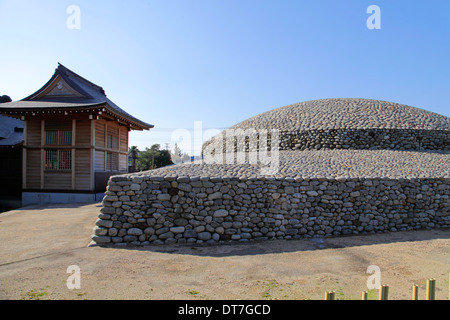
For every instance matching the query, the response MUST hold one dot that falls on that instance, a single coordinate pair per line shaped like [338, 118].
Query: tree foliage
[5, 98]
[150, 158]
[133, 153]
[179, 156]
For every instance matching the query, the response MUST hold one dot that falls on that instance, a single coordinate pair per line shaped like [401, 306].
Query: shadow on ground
[282, 246]
[47, 206]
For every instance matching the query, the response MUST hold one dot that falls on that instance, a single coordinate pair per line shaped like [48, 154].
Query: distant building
[74, 139]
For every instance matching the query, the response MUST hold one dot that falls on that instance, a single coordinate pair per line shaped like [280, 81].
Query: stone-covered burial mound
[337, 167]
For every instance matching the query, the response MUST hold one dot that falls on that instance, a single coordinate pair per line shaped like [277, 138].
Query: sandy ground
[39, 243]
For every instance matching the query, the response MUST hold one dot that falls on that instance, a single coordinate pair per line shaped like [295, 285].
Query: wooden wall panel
[99, 164]
[58, 125]
[123, 139]
[88, 153]
[113, 129]
[82, 169]
[58, 180]
[33, 132]
[33, 169]
[123, 163]
[83, 132]
[100, 133]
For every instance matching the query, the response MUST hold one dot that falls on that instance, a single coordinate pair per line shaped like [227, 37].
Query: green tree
[133, 153]
[179, 156]
[177, 151]
[152, 158]
[5, 98]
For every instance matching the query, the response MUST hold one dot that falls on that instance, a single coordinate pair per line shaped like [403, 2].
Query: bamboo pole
[415, 292]
[431, 289]
[364, 295]
[384, 292]
[330, 295]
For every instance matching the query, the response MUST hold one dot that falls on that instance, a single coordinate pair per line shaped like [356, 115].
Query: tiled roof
[90, 95]
[11, 131]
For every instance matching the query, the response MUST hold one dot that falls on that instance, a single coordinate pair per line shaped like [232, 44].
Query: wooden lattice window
[112, 138]
[112, 142]
[58, 133]
[58, 137]
[112, 161]
[57, 160]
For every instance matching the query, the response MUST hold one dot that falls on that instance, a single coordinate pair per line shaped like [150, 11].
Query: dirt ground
[39, 243]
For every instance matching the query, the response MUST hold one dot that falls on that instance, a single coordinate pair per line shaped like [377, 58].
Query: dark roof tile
[92, 95]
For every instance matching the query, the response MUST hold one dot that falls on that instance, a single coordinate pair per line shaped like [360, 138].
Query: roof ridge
[68, 72]
[91, 95]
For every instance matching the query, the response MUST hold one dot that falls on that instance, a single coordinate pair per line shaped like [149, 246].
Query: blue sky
[173, 62]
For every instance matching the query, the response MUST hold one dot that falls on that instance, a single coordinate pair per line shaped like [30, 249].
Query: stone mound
[331, 164]
[340, 166]
[339, 124]
[328, 114]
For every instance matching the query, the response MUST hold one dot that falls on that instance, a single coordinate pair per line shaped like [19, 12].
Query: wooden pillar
[74, 132]
[119, 147]
[106, 145]
[42, 152]
[24, 156]
[92, 174]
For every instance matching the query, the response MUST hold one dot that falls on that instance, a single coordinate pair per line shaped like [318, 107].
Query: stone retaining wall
[369, 139]
[162, 210]
[388, 139]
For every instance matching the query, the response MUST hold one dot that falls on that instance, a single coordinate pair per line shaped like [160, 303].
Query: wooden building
[75, 138]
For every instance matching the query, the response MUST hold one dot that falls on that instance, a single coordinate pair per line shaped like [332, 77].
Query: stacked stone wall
[370, 139]
[356, 139]
[143, 210]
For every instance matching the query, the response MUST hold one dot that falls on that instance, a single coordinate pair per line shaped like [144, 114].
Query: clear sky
[173, 62]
